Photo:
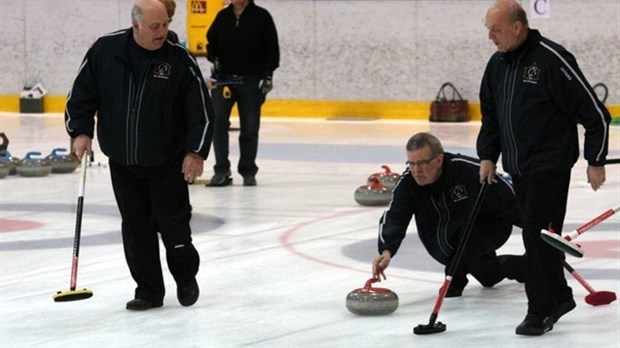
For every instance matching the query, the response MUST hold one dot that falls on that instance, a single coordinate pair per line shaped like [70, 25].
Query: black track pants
[542, 199]
[479, 257]
[153, 200]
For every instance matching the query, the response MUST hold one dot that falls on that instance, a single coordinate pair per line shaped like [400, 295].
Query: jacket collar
[533, 38]
[120, 50]
[249, 8]
[445, 180]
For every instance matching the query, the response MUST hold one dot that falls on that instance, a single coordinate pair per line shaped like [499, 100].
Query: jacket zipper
[509, 87]
[133, 119]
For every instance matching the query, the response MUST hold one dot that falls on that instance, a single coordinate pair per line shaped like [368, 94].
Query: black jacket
[442, 209]
[148, 122]
[531, 100]
[248, 46]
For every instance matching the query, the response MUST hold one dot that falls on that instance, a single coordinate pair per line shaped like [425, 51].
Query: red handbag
[455, 109]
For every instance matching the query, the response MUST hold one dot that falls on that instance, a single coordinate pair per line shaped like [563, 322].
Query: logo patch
[531, 74]
[162, 71]
[458, 193]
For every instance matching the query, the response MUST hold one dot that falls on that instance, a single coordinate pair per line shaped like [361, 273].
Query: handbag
[455, 109]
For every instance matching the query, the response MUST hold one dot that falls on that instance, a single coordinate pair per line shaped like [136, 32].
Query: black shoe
[457, 285]
[513, 267]
[454, 292]
[562, 309]
[188, 293]
[220, 180]
[249, 180]
[534, 325]
[138, 304]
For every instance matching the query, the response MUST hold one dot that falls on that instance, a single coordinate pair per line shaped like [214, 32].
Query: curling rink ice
[278, 259]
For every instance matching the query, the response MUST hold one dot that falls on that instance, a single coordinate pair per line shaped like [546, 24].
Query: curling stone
[372, 301]
[62, 162]
[387, 177]
[373, 194]
[33, 167]
[13, 161]
[5, 168]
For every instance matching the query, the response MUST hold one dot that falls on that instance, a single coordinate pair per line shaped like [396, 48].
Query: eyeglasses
[421, 163]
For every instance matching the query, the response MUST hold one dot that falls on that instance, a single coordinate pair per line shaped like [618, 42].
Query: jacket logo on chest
[162, 71]
[531, 74]
[458, 193]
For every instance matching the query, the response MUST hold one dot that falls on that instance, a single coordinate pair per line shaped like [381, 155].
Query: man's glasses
[421, 163]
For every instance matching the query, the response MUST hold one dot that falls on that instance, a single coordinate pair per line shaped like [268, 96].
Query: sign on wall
[200, 15]
[540, 9]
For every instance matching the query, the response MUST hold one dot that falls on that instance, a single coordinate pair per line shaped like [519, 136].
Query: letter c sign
[540, 8]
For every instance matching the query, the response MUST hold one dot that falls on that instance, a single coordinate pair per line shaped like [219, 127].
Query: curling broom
[74, 294]
[565, 243]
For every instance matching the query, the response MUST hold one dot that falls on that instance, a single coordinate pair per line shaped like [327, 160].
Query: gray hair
[136, 13]
[421, 140]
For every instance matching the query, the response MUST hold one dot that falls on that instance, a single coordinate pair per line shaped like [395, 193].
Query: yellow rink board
[308, 108]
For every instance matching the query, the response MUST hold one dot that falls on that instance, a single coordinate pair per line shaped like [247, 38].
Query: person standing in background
[243, 47]
[155, 124]
[532, 96]
[171, 7]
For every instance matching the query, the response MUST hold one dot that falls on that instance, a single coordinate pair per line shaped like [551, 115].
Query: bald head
[150, 24]
[507, 24]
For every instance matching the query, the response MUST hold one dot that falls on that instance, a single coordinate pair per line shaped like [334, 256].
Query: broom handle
[579, 278]
[456, 258]
[597, 220]
[78, 223]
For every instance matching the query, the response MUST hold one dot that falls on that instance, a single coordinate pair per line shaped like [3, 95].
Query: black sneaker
[454, 292]
[220, 180]
[138, 304]
[188, 293]
[249, 180]
[562, 309]
[534, 325]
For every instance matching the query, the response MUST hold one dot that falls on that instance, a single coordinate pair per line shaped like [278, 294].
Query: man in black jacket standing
[154, 122]
[243, 47]
[532, 96]
[440, 190]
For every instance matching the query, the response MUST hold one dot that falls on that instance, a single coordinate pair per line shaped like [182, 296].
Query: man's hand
[596, 176]
[192, 167]
[265, 85]
[487, 171]
[82, 144]
[211, 83]
[380, 263]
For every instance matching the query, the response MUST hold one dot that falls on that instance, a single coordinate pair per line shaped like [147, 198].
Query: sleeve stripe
[592, 98]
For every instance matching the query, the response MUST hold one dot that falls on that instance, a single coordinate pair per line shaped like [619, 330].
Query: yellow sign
[200, 15]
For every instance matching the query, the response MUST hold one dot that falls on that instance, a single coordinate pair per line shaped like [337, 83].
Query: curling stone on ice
[62, 162]
[373, 194]
[13, 161]
[33, 167]
[372, 301]
[387, 177]
[5, 167]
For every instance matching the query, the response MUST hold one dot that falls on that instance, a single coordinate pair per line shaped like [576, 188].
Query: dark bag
[455, 109]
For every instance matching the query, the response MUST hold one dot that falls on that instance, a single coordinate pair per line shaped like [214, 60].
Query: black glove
[216, 69]
[265, 84]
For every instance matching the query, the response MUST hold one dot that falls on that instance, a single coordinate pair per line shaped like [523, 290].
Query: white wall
[337, 50]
